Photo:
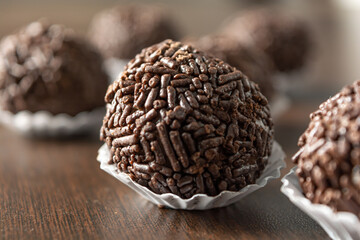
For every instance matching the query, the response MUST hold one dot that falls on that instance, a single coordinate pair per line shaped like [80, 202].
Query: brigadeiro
[253, 62]
[44, 67]
[329, 158]
[284, 38]
[122, 31]
[179, 121]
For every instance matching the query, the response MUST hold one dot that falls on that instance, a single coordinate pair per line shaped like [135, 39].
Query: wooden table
[55, 190]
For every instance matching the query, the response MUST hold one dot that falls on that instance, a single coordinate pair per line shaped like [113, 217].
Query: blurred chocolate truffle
[254, 63]
[284, 38]
[329, 158]
[179, 121]
[122, 31]
[45, 67]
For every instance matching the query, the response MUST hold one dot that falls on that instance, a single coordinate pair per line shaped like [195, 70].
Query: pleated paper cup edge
[203, 201]
[43, 123]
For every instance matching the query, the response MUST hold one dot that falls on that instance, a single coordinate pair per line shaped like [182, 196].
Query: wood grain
[55, 190]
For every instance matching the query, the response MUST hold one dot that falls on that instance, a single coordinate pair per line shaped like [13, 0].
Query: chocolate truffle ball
[45, 67]
[253, 62]
[122, 31]
[283, 38]
[179, 121]
[329, 158]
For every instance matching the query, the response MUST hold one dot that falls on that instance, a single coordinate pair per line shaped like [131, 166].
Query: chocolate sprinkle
[254, 63]
[329, 157]
[180, 143]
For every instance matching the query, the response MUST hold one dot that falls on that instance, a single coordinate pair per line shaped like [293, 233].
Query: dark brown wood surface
[51, 189]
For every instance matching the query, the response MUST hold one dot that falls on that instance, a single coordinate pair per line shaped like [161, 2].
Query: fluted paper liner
[279, 104]
[114, 66]
[45, 124]
[338, 225]
[198, 201]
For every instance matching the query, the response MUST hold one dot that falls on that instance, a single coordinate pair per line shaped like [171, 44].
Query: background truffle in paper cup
[198, 201]
[45, 124]
[339, 225]
[114, 66]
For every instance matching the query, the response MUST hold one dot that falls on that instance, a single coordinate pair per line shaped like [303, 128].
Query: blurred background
[334, 23]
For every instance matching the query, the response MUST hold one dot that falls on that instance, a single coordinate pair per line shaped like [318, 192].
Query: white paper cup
[339, 225]
[114, 66]
[45, 124]
[279, 104]
[198, 201]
